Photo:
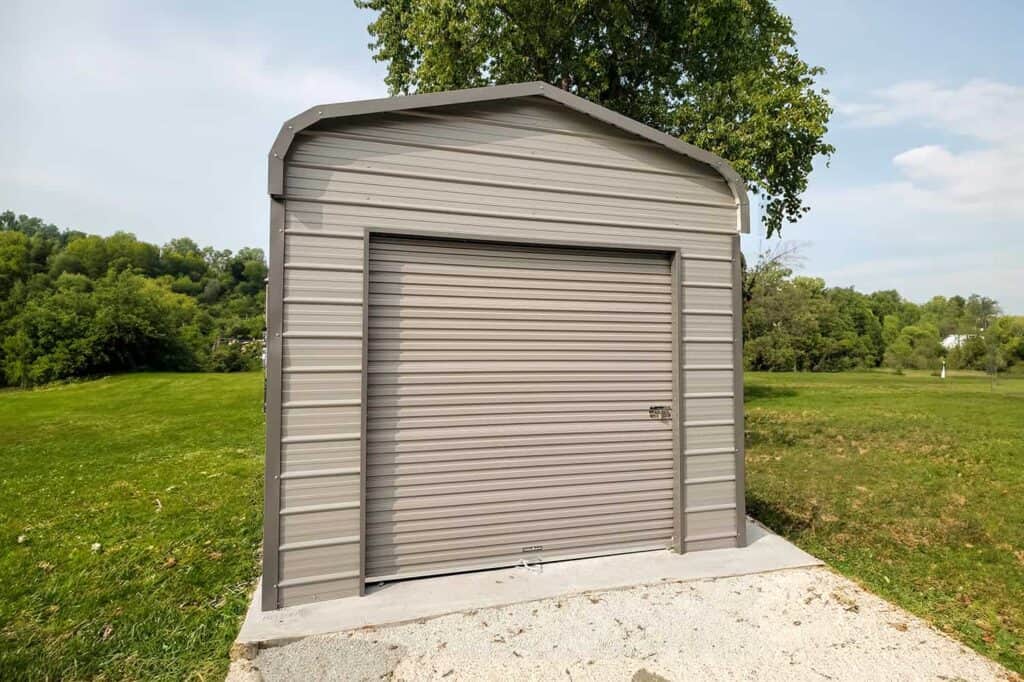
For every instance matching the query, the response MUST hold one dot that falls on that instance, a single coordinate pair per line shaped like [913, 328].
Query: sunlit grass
[912, 485]
[129, 525]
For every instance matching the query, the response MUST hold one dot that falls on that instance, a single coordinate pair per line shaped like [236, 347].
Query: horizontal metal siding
[329, 219]
[709, 407]
[323, 296]
[320, 416]
[504, 456]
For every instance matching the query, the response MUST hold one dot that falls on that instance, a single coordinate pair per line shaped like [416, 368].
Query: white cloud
[981, 181]
[119, 117]
[981, 109]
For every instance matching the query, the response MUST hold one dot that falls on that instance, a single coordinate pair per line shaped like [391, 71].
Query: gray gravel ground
[800, 624]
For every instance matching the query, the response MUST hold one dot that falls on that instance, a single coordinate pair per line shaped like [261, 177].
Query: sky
[156, 118]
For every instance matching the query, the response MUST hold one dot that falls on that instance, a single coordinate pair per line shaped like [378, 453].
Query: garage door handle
[659, 412]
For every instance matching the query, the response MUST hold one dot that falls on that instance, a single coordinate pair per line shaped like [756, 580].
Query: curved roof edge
[312, 115]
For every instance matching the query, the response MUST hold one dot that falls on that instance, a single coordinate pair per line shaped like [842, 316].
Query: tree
[723, 75]
[73, 304]
[125, 251]
[14, 259]
[917, 347]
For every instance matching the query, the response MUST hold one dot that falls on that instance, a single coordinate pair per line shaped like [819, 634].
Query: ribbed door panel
[508, 391]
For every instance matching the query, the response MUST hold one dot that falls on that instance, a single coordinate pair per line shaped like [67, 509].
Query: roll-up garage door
[509, 394]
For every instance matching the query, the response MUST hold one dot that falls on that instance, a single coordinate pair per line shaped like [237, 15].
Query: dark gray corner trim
[311, 116]
[678, 405]
[741, 459]
[270, 599]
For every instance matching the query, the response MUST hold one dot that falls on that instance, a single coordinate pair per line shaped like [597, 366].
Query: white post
[943, 375]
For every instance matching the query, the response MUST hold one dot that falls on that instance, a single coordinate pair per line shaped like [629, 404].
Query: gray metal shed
[504, 324]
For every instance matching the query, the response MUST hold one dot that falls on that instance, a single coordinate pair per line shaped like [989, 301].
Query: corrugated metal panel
[526, 171]
[321, 413]
[488, 434]
[342, 220]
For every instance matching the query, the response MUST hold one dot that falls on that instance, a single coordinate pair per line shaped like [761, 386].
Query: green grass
[910, 485]
[164, 471]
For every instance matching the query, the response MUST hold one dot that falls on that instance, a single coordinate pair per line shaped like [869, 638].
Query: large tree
[724, 75]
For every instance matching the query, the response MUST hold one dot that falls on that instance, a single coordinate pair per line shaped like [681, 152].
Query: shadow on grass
[779, 520]
[755, 392]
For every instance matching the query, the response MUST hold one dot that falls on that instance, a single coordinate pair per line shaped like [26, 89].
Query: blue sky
[156, 118]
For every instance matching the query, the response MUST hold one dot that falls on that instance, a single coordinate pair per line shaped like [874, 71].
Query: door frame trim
[675, 256]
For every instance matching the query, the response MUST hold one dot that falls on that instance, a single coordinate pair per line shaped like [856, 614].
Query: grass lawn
[910, 485]
[164, 472]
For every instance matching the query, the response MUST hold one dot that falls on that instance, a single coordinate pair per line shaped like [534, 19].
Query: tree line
[75, 304]
[795, 323]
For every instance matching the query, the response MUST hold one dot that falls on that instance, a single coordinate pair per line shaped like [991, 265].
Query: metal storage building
[503, 324]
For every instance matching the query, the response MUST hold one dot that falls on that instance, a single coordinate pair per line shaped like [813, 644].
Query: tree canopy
[724, 75]
[73, 304]
[794, 323]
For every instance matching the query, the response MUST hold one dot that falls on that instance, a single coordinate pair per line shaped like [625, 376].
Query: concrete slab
[410, 600]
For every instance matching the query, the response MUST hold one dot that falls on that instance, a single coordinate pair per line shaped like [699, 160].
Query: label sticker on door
[533, 548]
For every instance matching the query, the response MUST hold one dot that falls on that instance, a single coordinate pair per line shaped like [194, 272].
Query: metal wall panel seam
[710, 508]
[708, 285]
[322, 266]
[325, 542]
[323, 301]
[715, 259]
[272, 468]
[322, 578]
[710, 479]
[319, 473]
[318, 233]
[710, 536]
[697, 311]
[314, 508]
[322, 438]
[710, 451]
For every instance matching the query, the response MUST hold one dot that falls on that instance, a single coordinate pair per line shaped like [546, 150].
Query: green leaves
[73, 304]
[724, 75]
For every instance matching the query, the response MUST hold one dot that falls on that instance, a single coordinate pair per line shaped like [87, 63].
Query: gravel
[800, 624]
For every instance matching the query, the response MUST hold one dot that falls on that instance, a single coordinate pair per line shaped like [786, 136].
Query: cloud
[979, 181]
[980, 109]
[123, 117]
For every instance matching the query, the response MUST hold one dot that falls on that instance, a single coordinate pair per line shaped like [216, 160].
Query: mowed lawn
[911, 485]
[130, 515]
